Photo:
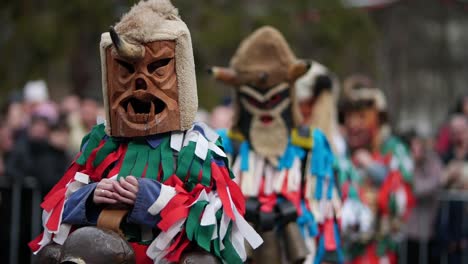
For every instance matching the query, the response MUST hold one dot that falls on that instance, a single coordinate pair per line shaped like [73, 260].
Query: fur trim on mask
[147, 19]
[324, 115]
[358, 88]
[306, 83]
[324, 112]
[155, 20]
[265, 51]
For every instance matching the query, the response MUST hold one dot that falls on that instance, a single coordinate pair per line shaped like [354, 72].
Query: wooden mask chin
[142, 91]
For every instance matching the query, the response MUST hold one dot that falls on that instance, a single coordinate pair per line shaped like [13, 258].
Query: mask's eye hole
[158, 64]
[129, 67]
[275, 99]
[252, 101]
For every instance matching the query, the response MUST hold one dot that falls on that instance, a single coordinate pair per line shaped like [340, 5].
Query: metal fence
[445, 199]
[17, 186]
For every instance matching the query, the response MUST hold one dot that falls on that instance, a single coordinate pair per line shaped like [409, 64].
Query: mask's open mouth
[266, 119]
[142, 110]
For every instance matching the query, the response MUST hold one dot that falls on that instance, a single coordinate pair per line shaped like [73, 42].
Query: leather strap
[111, 219]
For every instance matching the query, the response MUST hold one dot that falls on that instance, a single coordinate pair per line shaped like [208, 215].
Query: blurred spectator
[40, 152]
[36, 151]
[70, 104]
[60, 136]
[458, 150]
[221, 117]
[47, 110]
[462, 106]
[35, 93]
[453, 238]
[444, 137]
[426, 183]
[6, 144]
[15, 116]
[82, 122]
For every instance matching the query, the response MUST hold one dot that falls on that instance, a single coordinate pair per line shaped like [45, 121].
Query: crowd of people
[40, 136]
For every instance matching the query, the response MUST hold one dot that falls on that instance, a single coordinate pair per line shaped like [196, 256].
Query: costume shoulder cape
[304, 176]
[204, 207]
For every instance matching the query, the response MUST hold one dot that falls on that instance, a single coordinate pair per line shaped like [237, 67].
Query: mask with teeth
[143, 91]
[263, 72]
[148, 72]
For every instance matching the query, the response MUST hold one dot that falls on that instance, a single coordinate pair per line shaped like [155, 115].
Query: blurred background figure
[385, 168]
[457, 151]
[316, 92]
[39, 156]
[35, 93]
[82, 121]
[427, 181]
[6, 144]
[41, 151]
[222, 115]
[451, 230]
[70, 104]
[15, 116]
[444, 137]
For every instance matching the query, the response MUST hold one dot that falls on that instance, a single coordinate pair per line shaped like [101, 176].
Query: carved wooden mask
[142, 92]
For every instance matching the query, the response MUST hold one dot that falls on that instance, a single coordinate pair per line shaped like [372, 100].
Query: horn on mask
[226, 75]
[126, 49]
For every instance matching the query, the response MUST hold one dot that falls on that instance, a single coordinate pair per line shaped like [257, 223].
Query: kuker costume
[378, 198]
[187, 201]
[284, 172]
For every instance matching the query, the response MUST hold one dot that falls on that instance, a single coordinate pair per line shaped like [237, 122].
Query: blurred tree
[58, 40]
[55, 40]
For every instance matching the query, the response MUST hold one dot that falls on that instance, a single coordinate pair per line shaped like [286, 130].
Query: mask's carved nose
[140, 84]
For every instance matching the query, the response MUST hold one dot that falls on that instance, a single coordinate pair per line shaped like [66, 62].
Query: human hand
[363, 158]
[105, 193]
[126, 189]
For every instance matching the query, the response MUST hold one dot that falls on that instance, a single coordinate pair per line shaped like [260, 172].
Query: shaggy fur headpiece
[321, 85]
[317, 79]
[154, 20]
[263, 59]
[358, 90]
[264, 51]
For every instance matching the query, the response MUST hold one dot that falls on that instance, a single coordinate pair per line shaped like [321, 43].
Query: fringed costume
[285, 172]
[187, 207]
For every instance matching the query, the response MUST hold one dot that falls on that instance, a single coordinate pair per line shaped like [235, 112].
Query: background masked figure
[285, 173]
[149, 174]
[378, 196]
[317, 91]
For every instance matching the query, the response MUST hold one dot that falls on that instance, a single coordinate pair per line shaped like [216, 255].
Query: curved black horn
[124, 48]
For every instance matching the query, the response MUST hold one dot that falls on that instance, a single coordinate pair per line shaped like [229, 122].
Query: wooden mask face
[142, 93]
[265, 116]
